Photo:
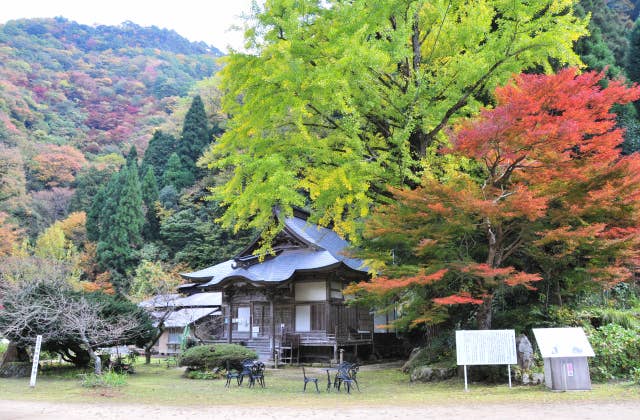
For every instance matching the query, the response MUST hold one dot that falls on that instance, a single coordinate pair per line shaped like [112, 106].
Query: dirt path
[18, 410]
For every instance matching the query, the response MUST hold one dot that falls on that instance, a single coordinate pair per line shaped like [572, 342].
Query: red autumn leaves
[548, 171]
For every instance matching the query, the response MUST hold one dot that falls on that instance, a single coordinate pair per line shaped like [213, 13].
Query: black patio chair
[353, 374]
[231, 374]
[308, 379]
[257, 374]
[341, 368]
[343, 377]
[247, 365]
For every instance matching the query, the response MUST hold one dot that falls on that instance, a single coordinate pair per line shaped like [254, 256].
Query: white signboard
[563, 342]
[486, 347]
[36, 360]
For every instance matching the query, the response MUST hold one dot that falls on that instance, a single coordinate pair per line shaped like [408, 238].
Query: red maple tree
[543, 173]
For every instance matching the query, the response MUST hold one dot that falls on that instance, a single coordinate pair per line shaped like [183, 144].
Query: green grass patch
[106, 380]
[157, 385]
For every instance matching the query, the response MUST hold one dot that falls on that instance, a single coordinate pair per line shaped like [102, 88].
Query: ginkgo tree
[547, 184]
[334, 100]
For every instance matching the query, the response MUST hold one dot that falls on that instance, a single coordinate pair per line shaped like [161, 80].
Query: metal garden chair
[308, 379]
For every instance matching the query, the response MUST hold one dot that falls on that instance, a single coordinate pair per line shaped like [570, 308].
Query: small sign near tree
[36, 360]
[486, 347]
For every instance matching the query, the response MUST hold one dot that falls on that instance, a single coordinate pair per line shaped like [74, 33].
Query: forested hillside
[75, 97]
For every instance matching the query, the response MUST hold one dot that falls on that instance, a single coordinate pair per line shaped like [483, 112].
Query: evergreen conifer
[633, 55]
[196, 136]
[177, 173]
[161, 146]
[122, 214]
[150, 196]
[94, 215]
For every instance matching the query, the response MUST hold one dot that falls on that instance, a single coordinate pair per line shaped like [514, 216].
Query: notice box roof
[486, 347]
[563, 342]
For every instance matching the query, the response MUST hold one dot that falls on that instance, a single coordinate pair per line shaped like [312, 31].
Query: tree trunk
[483, 317]
[96, 359]
[149, 346]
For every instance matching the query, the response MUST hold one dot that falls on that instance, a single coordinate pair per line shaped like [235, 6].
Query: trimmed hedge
[209, 357]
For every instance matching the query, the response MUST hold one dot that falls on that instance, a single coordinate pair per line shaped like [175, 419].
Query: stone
[430, 373]
[537, 378]
[15, 370]
[524, 352]
[414, 353]
[532, 378]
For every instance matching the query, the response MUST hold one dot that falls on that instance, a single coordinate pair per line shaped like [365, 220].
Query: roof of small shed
[563, 342]
[208, 299]
[184, 317]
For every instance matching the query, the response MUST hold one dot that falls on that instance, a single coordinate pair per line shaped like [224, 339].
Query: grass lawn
[159, 385]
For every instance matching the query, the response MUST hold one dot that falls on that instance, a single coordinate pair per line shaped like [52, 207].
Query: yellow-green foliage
[150, 279]
[336, 100]
[52, 243]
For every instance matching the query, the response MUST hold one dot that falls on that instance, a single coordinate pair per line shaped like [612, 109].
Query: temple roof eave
[222, 283]
[303, 248]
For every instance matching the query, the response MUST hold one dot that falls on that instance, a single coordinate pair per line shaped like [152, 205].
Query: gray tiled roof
[185, 317]
[326, 251]
[178, 301]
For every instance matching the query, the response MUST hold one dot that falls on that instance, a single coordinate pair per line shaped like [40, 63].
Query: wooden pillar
[228, 295]
[270, 294]
[272, 312]
[230, 324]
[252, 314]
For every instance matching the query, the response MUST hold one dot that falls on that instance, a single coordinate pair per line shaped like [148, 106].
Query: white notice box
[486, 347]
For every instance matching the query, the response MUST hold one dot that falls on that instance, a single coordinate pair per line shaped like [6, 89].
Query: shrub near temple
[616, 350]
[209, 357]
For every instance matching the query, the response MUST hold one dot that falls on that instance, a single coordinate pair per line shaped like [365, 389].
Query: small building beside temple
[292, 297]
[172, 313]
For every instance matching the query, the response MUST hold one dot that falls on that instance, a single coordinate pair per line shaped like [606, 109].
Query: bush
[211, 357]
[617, 352]
[198, 374]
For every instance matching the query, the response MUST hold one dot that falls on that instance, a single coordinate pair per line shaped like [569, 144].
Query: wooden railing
[314, 338]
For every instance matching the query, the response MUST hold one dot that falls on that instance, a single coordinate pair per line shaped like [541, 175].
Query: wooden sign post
[36, 360]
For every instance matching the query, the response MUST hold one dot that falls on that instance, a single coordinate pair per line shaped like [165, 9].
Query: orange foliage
[74, 227]
[542, 123]
[9, 235]
[88, 262]
[487, 272]
[58, 165]
[508, 275]
[458, 299]
[384, 284]
[101, 284]
[522, 278]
